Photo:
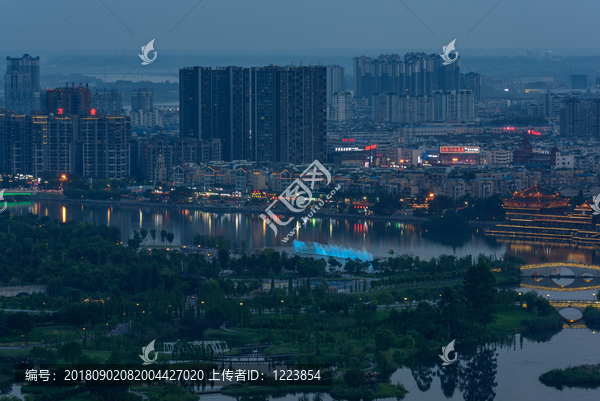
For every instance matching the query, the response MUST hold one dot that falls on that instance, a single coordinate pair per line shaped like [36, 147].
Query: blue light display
[314, 248]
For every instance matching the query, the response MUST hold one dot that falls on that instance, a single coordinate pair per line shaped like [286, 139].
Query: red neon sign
[509, 128]
[452, 150]
[371, 147]
[93, 112]
[60, 111]
[347, 140]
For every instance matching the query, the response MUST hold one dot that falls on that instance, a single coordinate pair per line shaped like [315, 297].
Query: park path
[144, 396]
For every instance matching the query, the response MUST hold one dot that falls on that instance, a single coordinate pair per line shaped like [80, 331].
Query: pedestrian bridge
[572, 311]
[581, 305]
[562, 269]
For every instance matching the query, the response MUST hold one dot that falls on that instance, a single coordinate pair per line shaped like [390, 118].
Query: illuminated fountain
[313, 248]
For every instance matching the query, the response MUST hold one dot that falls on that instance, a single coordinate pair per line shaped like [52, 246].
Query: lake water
[503, 372]
[375, 237]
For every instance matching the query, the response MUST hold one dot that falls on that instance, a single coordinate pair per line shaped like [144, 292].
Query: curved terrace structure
[538, 214]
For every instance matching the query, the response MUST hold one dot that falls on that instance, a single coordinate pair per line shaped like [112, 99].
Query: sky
[287, 25]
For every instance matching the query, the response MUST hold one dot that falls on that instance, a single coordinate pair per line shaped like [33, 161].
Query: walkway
[144, 396]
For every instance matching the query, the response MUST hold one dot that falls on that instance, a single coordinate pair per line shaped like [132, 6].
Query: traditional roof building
[538, 214]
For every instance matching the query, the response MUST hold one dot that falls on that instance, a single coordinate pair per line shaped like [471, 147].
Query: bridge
[547, 269]
[25, 192]
[19, 290]
[575, 304]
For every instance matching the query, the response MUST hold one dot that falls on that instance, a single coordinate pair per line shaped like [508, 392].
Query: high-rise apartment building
[35, 144]
[142, 99]
[341, 109]
[336, 82]
[454, 106]
[384, 106]
[107, 101]
[151, 119]
[17, 138]
[439, 107]
[580, 118]
[579, 81]
[552, 104]
[472, 81]
[22, 84]
[105, 147]
[416, 74]
[215, 104]
[54, 141]
[289, 114]
[73, 100]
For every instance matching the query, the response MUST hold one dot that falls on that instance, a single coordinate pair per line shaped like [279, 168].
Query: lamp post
[548, 297]
[593, 297]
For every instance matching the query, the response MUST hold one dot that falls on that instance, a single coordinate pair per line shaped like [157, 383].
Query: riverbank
[401, 218]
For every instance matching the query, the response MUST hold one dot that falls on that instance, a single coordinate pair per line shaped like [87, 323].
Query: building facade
[215, 104]
[341, 109]
[289, 114]
[22, 90]
[416, 74]
[336, 81]
[105, 147]
[68, 101]
[107, 101]
[142, 99]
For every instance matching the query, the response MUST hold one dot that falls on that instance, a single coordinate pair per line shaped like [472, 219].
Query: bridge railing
[541, 265]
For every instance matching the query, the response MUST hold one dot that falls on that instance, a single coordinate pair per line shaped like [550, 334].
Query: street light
[548, 297]
[593, 297]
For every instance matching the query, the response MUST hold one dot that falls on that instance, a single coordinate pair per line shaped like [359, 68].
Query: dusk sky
[295, 25]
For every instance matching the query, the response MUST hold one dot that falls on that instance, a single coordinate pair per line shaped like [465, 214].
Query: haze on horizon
[266, 25]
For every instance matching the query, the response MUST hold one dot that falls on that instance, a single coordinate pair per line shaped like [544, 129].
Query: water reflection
[377, 237]
[478, 378]
[507, 369]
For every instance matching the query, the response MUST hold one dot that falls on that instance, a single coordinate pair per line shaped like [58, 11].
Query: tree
[163, 235]
[143, 234]
[384, 339]
[333, 263]
[71, 351]
[385, 361]
[386, 298]
[153, 234]
[480, 290]
[135, 241]
[244, 246]
[170, 237]
[354, 377]
[223, 255]
[21, 322]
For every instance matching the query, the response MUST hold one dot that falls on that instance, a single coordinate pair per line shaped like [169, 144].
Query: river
[507, 371]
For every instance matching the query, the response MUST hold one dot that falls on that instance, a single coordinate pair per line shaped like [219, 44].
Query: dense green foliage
[592, 317]
[585, 375]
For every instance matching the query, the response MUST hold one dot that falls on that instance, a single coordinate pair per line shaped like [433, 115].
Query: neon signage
[459, 149]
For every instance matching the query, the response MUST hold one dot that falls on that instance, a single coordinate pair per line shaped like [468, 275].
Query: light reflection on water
[377, 237]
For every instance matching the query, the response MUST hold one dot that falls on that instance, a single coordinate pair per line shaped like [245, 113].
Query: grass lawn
[283, 349]
[509, 320]
[245, 337]
[14, 352]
